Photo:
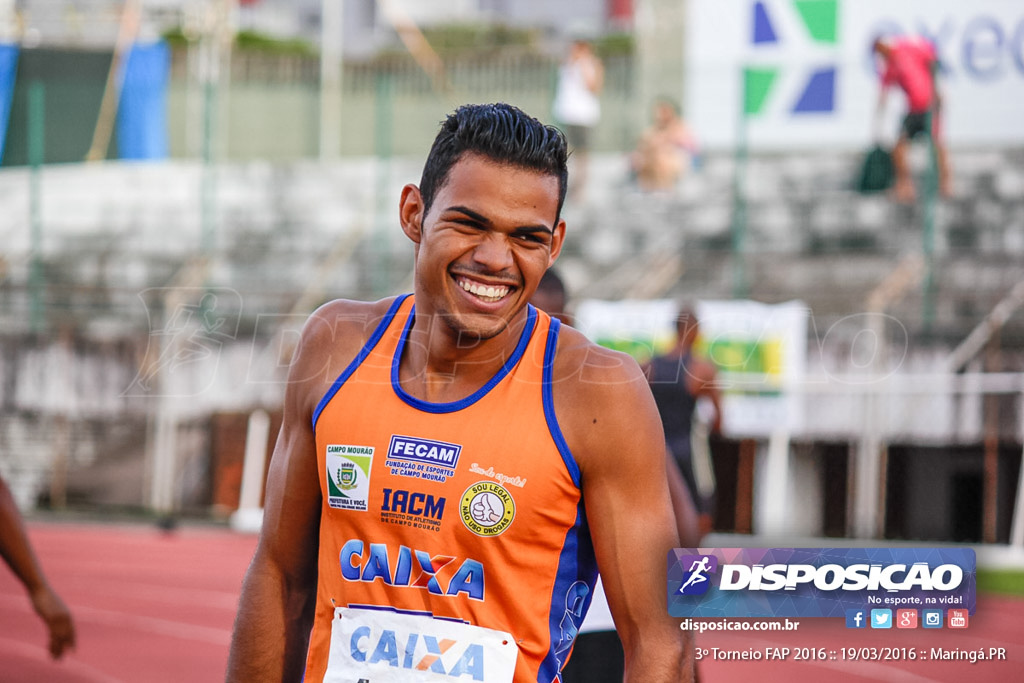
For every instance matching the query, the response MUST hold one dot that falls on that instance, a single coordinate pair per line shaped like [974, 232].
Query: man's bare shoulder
[593, 376]
[347, 316]
[703, 369]
[603, 402]
[334, 334]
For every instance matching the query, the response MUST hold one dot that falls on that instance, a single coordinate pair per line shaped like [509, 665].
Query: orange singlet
[453, 542]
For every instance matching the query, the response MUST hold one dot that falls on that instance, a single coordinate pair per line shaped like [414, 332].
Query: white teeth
[486, 292]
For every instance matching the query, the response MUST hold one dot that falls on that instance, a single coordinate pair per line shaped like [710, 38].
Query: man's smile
[488, 293]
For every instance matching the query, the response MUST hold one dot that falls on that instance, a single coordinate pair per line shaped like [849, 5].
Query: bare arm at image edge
[275, 613]
[703, 383]
[17, 551]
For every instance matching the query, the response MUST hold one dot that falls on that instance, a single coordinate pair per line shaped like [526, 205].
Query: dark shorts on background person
[916, 123]
[597, 657]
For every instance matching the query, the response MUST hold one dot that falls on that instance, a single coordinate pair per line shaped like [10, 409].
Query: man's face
[688, 330]
[663, 114]
[490, 235]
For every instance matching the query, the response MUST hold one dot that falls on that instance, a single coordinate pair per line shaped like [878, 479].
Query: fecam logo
[775, 26]
[696, 579]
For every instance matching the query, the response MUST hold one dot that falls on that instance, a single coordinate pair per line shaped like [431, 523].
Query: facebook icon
[856, 618]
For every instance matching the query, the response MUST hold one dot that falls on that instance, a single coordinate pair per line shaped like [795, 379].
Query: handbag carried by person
[876, 173]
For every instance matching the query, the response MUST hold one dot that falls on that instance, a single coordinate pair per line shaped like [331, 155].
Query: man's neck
[441, 365]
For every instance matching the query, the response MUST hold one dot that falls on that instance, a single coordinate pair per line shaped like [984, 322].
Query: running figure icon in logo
[696, 582]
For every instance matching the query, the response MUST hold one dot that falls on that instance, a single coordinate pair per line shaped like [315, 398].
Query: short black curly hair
[501, 132]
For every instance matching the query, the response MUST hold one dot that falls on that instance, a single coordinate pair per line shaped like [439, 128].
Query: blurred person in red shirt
[912, 63]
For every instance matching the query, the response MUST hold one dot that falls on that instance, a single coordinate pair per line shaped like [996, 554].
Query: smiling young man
[454, 465]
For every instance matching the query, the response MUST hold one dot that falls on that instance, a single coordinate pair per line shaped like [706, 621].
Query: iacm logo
[777, 28]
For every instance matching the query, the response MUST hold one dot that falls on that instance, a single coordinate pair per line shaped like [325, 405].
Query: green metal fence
[272, 106]
[268, 108]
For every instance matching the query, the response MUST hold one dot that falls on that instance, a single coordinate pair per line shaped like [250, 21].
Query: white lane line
[126, 621]
[10, 648]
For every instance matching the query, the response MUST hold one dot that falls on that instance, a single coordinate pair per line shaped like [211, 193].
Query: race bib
[382, 646]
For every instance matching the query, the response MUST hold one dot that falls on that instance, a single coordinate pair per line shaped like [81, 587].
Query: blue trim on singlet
[462, 403]
[549, 403]
[360, 357]
[577, 568]
[570, 596]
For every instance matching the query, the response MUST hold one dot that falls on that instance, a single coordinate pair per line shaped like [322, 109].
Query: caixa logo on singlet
[411, 568]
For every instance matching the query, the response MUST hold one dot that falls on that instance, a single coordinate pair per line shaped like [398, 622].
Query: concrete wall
[173, 288]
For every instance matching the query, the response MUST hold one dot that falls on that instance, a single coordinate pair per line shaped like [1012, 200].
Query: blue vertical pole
[8, 71]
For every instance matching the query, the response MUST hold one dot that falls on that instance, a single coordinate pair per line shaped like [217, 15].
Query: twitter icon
[881, 618]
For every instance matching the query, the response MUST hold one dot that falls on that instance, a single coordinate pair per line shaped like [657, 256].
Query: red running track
[148, 606]
[155, 607]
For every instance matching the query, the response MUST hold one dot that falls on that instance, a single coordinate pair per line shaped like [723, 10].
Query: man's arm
[275, 612]
[687, 517]
[17, 551]
[702, 382]
[933, 71]
[884, 83]
[612, 426]
[593, 74]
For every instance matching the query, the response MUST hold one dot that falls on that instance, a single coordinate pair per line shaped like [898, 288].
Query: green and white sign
[759, 350]
[800, 74]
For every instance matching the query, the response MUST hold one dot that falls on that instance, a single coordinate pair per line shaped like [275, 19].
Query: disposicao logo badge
[820, 582]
